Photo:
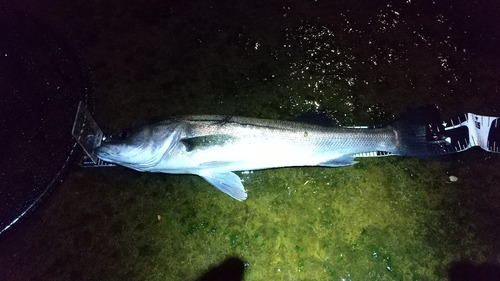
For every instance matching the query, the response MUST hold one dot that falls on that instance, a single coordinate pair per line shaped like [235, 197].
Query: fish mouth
[122, 155]
[106, 153]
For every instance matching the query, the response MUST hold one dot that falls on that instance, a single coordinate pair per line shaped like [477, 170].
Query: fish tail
[420, 134]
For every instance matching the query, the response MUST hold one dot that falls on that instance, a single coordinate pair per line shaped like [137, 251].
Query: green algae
[379, 222]
[389, 219]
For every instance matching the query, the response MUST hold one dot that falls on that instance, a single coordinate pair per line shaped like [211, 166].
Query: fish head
[141, 148]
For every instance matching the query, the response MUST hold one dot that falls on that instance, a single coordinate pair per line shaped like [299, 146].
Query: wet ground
[361, 63]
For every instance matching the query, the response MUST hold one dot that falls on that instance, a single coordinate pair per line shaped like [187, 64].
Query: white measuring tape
[483, 131]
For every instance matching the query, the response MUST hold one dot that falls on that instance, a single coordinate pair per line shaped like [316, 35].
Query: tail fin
[420, 133]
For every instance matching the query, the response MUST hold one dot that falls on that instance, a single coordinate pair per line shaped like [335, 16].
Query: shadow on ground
[232, 269]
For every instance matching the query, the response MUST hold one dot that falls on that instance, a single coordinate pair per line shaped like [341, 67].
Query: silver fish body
[214, 146]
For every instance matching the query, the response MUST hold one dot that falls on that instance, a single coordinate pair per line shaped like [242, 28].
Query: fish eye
[124, 134]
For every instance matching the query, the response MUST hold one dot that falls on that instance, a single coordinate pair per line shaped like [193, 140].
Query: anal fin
[345, 160]
[227, 182]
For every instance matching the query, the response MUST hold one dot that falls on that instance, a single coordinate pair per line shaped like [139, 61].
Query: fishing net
[41, 82]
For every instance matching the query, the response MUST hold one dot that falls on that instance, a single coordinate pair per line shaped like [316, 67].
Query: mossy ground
[385, 219]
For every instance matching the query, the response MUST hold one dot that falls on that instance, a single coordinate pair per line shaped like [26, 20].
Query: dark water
[362, 62]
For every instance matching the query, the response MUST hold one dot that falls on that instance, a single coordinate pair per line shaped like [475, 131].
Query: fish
[214, 147]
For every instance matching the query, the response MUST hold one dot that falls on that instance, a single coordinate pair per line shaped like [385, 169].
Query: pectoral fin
[228, 183]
